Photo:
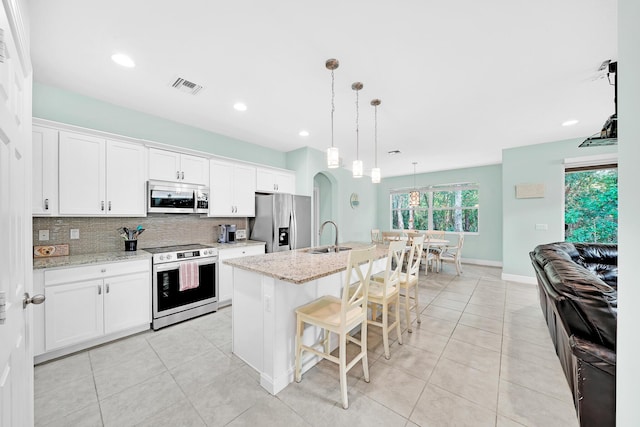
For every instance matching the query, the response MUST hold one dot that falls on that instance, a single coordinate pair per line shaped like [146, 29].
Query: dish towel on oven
[189, 276]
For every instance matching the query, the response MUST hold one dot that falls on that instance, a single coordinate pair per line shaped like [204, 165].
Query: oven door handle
[176, 264]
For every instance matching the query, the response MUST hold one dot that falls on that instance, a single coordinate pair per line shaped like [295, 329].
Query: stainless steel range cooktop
[180, 252]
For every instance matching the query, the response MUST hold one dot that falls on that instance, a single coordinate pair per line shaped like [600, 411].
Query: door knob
[36, 299]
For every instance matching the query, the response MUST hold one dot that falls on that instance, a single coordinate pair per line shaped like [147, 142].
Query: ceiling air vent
[184, 85]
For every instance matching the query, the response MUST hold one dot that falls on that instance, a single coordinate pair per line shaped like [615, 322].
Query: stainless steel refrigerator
[283, 221]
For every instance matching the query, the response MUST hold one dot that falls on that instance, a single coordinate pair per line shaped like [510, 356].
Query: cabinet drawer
[94, 271]
[240, 252]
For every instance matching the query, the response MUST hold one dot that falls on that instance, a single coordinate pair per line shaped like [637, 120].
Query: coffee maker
[227, 233]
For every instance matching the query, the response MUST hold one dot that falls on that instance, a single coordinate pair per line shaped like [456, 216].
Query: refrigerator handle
[292, 229]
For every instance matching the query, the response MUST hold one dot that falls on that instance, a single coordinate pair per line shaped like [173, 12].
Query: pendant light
[357, 163]
[414, 196]
[333, 156]
[375, 171]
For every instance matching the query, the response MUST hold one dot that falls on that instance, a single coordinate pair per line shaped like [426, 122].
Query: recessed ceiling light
[570, 122]
[240, 106]
[303, 133]
[393, 152]
[122, 59]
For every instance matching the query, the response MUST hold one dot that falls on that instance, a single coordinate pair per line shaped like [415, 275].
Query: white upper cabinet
[45, 171]
[176, 167]
[275, 181]
[233, 187]
[100, 177]
[126, 179]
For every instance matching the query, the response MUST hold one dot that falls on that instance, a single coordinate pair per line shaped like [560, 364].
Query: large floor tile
[59, 402]
[51, 375]
[526, 350]
[227, 398]
[363, 411]
[179, 345]
[111, 355]
[473, 384]
[191, 376]
[392, 387]
[141, 401]
[486, 310]
[485, 323]
[442, 313]
[425, 340]
[182, 414]
[549, 380]
[435, 325]
[473, 356]
[414, 361]
[533, 408]
[441, 301]
[89, 416]
[438, 407]
[478, 337]
[269, 411]
[127, 374]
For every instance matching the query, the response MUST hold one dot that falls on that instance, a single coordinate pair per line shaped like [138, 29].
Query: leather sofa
[578, 294]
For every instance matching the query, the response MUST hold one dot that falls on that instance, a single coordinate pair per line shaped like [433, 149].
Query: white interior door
[16, 358]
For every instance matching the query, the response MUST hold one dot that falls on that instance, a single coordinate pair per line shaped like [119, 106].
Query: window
[591, 204]
[448, 207]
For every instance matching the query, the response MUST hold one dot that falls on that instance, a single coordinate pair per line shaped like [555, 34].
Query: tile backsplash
[99, 234]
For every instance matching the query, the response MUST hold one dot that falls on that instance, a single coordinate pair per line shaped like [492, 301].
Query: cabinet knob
[177, 174]
[102, 205]
[109, 205]
[46, 204]
[107, 285]
[182, 175]
[99, 289]
[103, 270]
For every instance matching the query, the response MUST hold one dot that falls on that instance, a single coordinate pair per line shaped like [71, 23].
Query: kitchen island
[266, 291]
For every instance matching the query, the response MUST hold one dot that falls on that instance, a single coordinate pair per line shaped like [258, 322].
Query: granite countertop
[300, 266]
[237, 244]
[99, 258]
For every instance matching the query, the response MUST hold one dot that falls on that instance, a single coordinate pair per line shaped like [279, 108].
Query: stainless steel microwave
[174, 197]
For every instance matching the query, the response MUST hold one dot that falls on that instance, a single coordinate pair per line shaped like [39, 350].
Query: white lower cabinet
[86, 303]
[225, 285]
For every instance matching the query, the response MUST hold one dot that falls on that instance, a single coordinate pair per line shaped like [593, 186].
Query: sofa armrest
[594, 354]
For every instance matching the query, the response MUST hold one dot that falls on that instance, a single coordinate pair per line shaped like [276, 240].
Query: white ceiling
[459, 80]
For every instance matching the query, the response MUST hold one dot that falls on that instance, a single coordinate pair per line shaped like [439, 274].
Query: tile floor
[481, 357]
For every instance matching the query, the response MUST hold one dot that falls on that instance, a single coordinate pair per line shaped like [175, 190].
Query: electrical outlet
[43, 235]
[542, 227]
[74, 233]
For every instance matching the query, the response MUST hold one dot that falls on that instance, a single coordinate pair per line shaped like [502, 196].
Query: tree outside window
[452, 208]
[591, 205]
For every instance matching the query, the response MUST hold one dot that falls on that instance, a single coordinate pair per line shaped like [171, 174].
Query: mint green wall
[487, 244]
[63, 106]
[354, 224]
[326, 206]
[536, 164]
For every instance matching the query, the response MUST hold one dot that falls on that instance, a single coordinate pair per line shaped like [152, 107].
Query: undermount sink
[326, 249]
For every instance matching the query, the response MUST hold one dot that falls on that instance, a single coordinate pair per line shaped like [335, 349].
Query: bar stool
[385, 291]
[409, 279]
[340, 315]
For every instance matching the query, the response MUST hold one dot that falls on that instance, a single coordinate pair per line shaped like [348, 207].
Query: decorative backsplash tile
[100, 234]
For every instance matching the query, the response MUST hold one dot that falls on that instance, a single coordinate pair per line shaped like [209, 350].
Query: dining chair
[376, 236]
[392, 236]
[432, 257]
[385, 292]
[340, 316]
[409, 280]
[453, 254]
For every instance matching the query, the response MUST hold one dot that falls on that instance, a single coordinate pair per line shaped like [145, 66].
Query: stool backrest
[415, 255]
[355, 292]
[392, 272]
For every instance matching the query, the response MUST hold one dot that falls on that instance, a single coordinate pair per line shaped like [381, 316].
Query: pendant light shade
[357, 163]
[357, 169]
[375, 175]
[375, 171]
[414, 195]
[333, 156]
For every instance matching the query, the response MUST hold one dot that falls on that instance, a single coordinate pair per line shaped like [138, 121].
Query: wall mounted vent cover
[184, 85]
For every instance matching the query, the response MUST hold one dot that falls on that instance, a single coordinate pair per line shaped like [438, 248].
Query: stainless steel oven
[173, 301]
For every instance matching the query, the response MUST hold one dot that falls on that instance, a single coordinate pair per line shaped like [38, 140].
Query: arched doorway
[323, 209]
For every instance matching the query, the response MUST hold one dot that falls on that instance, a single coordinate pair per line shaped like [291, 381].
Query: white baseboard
[520, 279]
[484, 262]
